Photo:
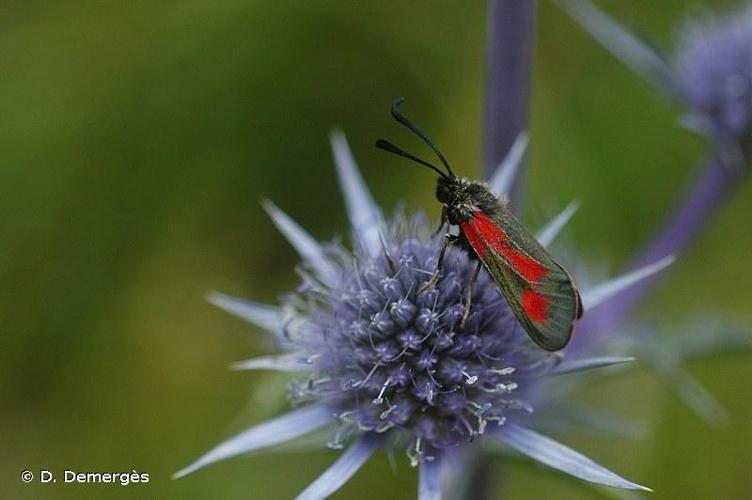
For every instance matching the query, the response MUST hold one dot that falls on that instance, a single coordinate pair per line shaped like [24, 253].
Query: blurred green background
[136, 141]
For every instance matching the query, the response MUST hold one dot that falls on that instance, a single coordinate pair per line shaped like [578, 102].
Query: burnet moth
[540, 292]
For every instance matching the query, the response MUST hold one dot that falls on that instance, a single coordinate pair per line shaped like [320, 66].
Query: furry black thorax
[461, 197]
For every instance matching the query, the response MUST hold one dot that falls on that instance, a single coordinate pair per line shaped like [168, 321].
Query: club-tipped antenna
[391, 148]
[397, 114]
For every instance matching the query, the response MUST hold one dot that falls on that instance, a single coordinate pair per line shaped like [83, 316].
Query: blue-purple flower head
[392, 354]
[710, 76]
[382, 360]
[713, 63]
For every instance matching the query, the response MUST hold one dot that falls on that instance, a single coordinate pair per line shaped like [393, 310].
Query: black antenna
[391, 148]
[414, 129]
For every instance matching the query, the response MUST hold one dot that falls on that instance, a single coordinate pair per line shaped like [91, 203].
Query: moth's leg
[448, 240]
[469, 300]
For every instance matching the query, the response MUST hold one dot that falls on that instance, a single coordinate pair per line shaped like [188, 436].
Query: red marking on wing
[483, 233]
[480, 231]
[535, 305]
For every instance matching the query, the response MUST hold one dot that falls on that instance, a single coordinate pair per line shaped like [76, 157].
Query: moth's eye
[442, 193]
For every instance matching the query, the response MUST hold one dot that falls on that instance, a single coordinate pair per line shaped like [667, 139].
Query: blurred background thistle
[138, 140]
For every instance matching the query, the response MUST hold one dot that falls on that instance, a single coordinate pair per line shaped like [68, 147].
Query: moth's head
[447, 188]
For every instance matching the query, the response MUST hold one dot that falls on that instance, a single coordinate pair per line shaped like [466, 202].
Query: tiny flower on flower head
[713, 63]
[388, 362]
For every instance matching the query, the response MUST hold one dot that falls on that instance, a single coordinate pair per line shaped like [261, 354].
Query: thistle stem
[481, 484]
[509, 52]
[702, 199]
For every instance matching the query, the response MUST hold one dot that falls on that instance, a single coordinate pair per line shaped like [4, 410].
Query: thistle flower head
[388, 357]
[714, 68]
[391, 353]
[710, 74]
